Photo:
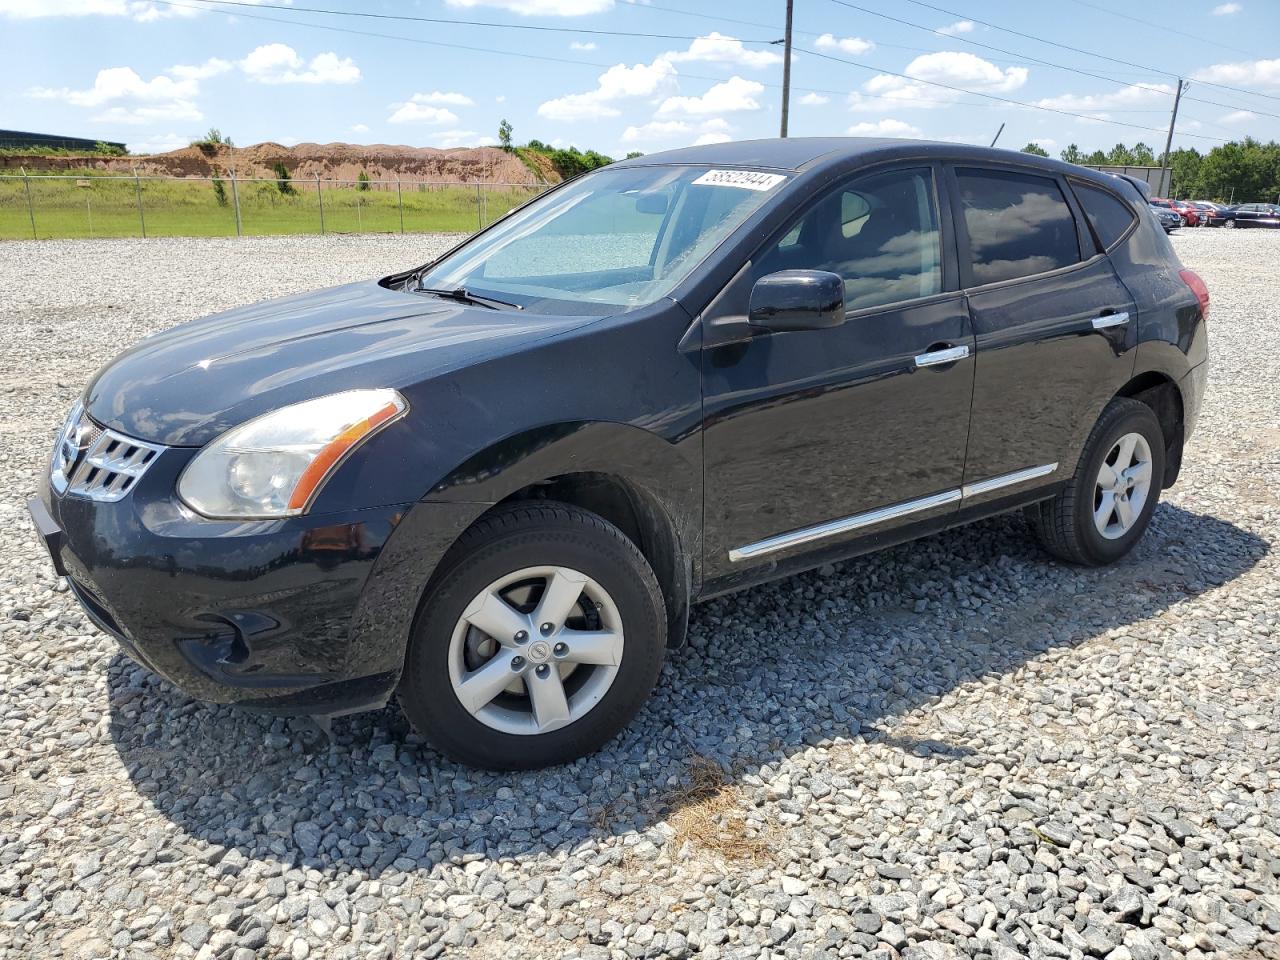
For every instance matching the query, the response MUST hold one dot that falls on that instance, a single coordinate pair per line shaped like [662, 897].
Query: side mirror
[797, 300]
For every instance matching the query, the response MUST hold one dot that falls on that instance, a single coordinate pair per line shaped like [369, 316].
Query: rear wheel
[538, 643]
[1230, 223]
[1108, 502]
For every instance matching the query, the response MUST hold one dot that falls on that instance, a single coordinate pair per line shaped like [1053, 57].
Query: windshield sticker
[746, 179]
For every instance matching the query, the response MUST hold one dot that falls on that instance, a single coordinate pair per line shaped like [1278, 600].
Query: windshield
[614, 240]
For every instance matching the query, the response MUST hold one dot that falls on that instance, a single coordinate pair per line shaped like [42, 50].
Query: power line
[572, 61]
[588, 63]
[462, 23]
[1045, 63]
[753, 23]
[1087, 53]
[997, 98]
[290, 8]
[1161, 26]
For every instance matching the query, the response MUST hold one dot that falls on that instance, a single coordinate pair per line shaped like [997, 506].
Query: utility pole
[786, 71]
[1168, 142]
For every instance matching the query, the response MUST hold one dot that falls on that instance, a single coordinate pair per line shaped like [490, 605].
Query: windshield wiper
[463, 295]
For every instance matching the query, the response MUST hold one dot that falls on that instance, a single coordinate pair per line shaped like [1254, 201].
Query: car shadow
[839, 653]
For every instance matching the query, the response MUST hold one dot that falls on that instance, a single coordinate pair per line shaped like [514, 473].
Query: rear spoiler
[1143, 188]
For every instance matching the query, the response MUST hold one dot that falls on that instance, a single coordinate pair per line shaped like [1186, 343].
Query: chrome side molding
[833, 528]
[1109, 320]
[1007, 480]
[935, 357]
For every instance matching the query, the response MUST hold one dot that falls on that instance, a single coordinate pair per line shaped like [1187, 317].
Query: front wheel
[539, 641]
[1106, 505]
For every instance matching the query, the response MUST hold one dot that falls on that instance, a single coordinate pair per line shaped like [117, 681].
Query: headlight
[274, 465]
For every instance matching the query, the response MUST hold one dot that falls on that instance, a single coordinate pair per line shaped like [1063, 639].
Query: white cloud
[144, 114]
[718, 48]
[158, 144]
[438, 98]
[412, 111]
[360, 128]
[202, 71]
[846, 44]
[966, 70]
[1239, 116]
[580, 45]
[280, 63]
[540, 8]
[960, 26]
[122, 83]
[656, 130]
[1226, 9]
[143, 11]
[813, 100]
[127, 98]
[450, 139]
[617, 83]
[1248, 73]
[663, 134]
[887, 92]
[1045, 143]
[883, 128]
[1097, 104]
[727, 97]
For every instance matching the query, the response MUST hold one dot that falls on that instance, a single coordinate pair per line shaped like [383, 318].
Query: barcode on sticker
[746, 179]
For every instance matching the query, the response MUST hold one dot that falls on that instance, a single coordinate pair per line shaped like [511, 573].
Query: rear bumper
[1192, 387]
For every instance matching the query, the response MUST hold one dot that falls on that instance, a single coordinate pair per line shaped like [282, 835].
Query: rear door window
[1018, 225]
[1109, 216]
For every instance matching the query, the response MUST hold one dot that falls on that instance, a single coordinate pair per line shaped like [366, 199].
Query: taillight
[1192, 280]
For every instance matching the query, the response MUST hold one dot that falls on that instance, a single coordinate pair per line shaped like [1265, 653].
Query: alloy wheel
[1123, 486]
[536, 650]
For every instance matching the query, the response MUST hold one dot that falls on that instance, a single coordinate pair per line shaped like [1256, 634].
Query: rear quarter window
[1109, 216]
[1018, 224]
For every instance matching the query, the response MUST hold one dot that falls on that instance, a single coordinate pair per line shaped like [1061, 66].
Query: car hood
[185, 386]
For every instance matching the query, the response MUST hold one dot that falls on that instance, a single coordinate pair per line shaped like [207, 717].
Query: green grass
[95, 206]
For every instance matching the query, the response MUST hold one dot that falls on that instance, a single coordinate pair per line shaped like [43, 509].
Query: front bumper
[266, 614]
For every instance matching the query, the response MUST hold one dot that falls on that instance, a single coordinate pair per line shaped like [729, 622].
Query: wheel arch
[1161, 393]
[648, 486]
[645, 521]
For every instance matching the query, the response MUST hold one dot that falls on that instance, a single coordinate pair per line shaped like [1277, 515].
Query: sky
[157, 75]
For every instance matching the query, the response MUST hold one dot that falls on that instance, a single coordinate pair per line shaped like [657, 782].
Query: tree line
[1237, 172]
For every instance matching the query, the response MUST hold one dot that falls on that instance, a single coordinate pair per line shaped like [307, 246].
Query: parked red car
[1189, 212]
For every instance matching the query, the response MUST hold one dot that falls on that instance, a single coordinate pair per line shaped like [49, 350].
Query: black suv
[495, 484]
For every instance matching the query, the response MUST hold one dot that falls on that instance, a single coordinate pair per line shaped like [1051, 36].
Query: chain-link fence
[50, 207]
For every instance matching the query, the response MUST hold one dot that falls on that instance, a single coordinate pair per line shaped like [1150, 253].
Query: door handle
[933, 358]
[1109, 320]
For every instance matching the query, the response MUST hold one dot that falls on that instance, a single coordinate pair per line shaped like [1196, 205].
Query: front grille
[97, 463]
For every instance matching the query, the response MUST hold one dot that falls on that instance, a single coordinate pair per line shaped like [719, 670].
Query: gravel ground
[958, 748]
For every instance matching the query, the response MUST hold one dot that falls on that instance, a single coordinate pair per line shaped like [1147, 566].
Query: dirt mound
[329, 161]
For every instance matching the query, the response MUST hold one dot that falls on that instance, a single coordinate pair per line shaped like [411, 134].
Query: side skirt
[832, 552]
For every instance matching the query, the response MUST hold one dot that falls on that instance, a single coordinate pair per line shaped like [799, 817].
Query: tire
[1230, 223]
[535, 544]
[1067, 526]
